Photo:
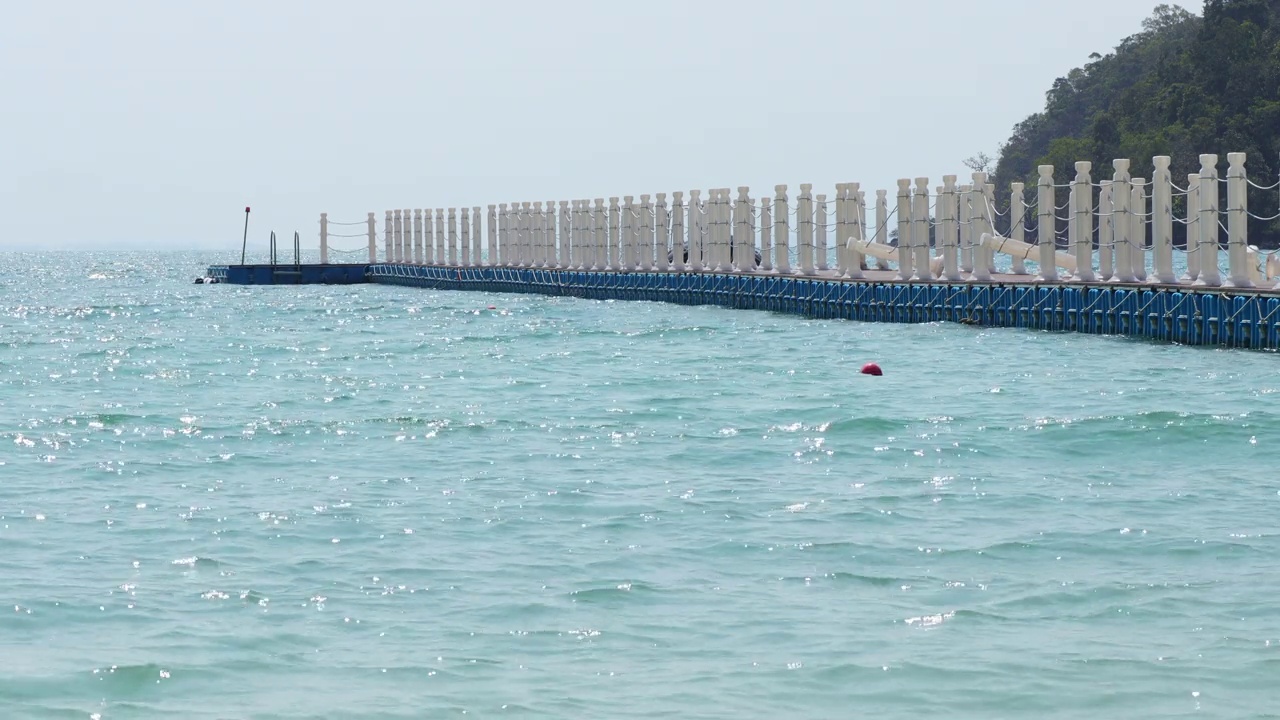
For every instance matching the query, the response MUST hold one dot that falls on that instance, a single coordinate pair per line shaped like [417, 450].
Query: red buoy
[872, 369]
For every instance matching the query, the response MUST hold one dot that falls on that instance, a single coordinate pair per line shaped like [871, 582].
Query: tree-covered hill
[1183, 86]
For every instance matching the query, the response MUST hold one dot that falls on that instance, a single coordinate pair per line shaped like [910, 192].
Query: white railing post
[324, 238]
[550, 239]
[579, 250]
[979, 218]
[1082, 221]
[417, 236]
[842, 229]
[904, 229]
[453, 236]
[524, 233]
[549, 230]
[855, 232]
[1046, 230]
[1121, 194]
[614, 237]
[766, 233]
[540, 233]
[406, 237]
[442, 253]
[744, 240]
[948, 229]
[660, 233]
[428, 240]
[599, 234]
[466, 237]
[677, 230]
[696, 229]
[722, 227]
[566, 236]
[882, 225]
[397, 236]
[1210, 275]
[1162, 222]
[964, 207]
[504, 236]
[781, 231]
[477, 238]
[1192, 243]
[1237, 222]
[492, 260]
[645, 247]
[920, 231]
[1138, 227]
[393, 236]
[371, 227]
[821, 246]
[804, 230]
[627, 231]
[1106, 228]
[1017, 223]
[388, 237]
[989, 213]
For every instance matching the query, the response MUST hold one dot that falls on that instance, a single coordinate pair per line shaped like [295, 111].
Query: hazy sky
[153, 123]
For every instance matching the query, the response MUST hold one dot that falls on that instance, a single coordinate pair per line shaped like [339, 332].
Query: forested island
[1186, 84]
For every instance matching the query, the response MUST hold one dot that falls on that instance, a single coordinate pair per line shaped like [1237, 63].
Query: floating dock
[1108, 266]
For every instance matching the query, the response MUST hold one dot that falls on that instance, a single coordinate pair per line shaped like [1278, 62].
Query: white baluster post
[1237, 222]
[388, 238]
[324, 238]
[1121, 194]
[981, 226]
[442, 255]
[1106, 231]
[821, 245]
[371, 227]
[661, 234]
[1138, 227]
[949, 229]
[904, 229]
[648, 240]
[1210, 275]
[397, 237]
[744, 241]
[804, 229]
[855, 234]
[616, 258]
[697, 229]
[1192, 244]
[1082, 206]
[1046, 230]
[493, 236]
[465, 255]
[566, 237]
[920, 231]
[600, 234]
[677, 231]
[766, 233]
[477, 237]
[882, 225]
[1017, 223]
[781, 232]
[417, 236]
[1162, 222]
[453, 236]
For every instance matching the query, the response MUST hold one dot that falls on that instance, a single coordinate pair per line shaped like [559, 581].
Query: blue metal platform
[1181, 314]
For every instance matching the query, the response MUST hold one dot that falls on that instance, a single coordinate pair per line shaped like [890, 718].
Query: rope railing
[1118, 229]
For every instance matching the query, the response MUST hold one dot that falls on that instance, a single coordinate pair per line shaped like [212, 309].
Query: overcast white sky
[153, 123]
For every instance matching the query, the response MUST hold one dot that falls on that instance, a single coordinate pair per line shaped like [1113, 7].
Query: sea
[385, 502]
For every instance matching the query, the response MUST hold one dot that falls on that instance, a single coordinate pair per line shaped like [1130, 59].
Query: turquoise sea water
[383, 502]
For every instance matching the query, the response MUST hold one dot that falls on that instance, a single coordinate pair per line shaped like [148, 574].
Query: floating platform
[1170, 313]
